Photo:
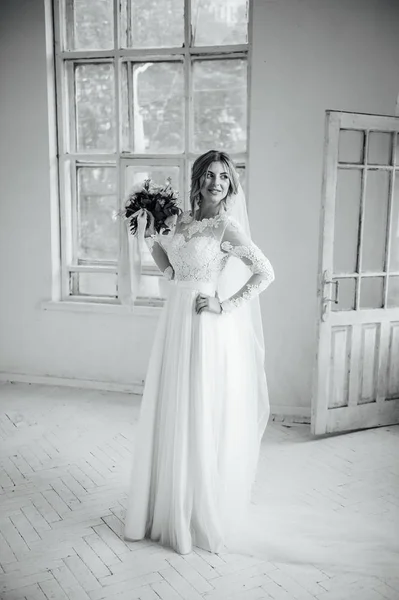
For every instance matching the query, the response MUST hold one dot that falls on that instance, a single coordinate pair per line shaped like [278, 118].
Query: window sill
[98, 307]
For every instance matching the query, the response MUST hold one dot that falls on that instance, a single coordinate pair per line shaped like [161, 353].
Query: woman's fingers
[201, 303]
[209, 303]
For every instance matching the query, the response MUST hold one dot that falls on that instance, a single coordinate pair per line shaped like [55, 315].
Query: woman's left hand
[208, 303]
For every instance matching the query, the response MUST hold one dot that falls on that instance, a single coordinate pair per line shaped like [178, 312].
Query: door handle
[325, 300]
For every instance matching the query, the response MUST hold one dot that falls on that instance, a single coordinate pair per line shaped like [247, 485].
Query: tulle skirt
[196, 452]
[197, 445]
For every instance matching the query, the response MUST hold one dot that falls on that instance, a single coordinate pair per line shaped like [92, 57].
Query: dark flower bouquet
[159, 202]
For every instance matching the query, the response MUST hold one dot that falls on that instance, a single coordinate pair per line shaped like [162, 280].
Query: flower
[159, 201]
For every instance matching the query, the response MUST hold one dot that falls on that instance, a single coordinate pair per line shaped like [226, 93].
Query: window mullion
[249, 88]
[74, 213]
[150, 53]
[117, 21]
[92, 160]
[232, 51]
[130, 97]
[68, 30]
[66, 180]
[92, 268]
[71, 139]
[187, 118]
[187, 100]
[59, 26]
[118, 112]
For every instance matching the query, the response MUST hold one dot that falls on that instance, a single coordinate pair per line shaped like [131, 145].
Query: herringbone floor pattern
[65, 463]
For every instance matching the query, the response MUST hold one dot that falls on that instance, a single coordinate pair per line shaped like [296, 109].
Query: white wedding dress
[197, 440]
[204, 410]
[203, 413]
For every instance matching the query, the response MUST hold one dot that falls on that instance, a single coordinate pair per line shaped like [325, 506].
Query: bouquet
[159, 203]
[147, 204]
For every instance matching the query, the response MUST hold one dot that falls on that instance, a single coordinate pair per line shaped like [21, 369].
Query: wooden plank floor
[65, 465]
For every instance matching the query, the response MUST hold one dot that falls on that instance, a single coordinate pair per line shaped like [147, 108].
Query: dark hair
[200, 169]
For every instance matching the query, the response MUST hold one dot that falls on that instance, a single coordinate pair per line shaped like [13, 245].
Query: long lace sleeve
[160, 256]
[238, 244]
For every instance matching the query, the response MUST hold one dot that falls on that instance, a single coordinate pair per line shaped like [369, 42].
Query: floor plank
[65, 464]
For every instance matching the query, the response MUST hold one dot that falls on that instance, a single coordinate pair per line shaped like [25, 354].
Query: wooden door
[356, 381]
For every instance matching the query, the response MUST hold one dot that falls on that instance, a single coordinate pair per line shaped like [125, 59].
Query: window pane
[152, 287]
[95, 107]
[375, 221]
[347, 213]
[97, 200]
[157, 108]
[371, 290]
[220, 105]
[242, 175]
[351, 145]
[346, 294]
[91, 24]
[93, 284]
[217, 22]
[393, 291]
[152, 23]
[137, 174]
[394, 251]
[380, 148]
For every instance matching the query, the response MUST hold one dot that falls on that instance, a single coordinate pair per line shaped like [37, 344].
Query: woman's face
[216, 183]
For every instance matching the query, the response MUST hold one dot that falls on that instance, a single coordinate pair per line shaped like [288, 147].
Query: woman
[205, 403]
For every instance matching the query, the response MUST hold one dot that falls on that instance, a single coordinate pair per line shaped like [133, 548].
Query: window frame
[69, 158]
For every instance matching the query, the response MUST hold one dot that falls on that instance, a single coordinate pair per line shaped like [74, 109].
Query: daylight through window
[143, 88]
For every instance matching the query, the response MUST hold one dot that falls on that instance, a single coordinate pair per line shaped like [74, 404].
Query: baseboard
[106, 386]
[283, 414]
[290, 414]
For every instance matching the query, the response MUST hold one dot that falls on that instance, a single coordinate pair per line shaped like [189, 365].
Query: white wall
[308, 56]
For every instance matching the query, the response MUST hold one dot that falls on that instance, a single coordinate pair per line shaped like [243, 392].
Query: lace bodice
[195, 253]
[199, 251]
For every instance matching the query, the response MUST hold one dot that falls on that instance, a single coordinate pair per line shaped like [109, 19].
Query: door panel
[357, 365]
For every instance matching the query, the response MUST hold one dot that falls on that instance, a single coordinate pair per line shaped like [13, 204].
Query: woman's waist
[205, 287]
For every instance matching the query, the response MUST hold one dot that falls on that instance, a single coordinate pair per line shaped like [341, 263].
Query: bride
[205, 403]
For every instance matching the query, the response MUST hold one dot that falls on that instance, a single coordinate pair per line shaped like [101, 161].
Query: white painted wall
[308, 56]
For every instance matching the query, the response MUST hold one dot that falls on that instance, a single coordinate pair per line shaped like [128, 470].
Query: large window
[143, 88]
